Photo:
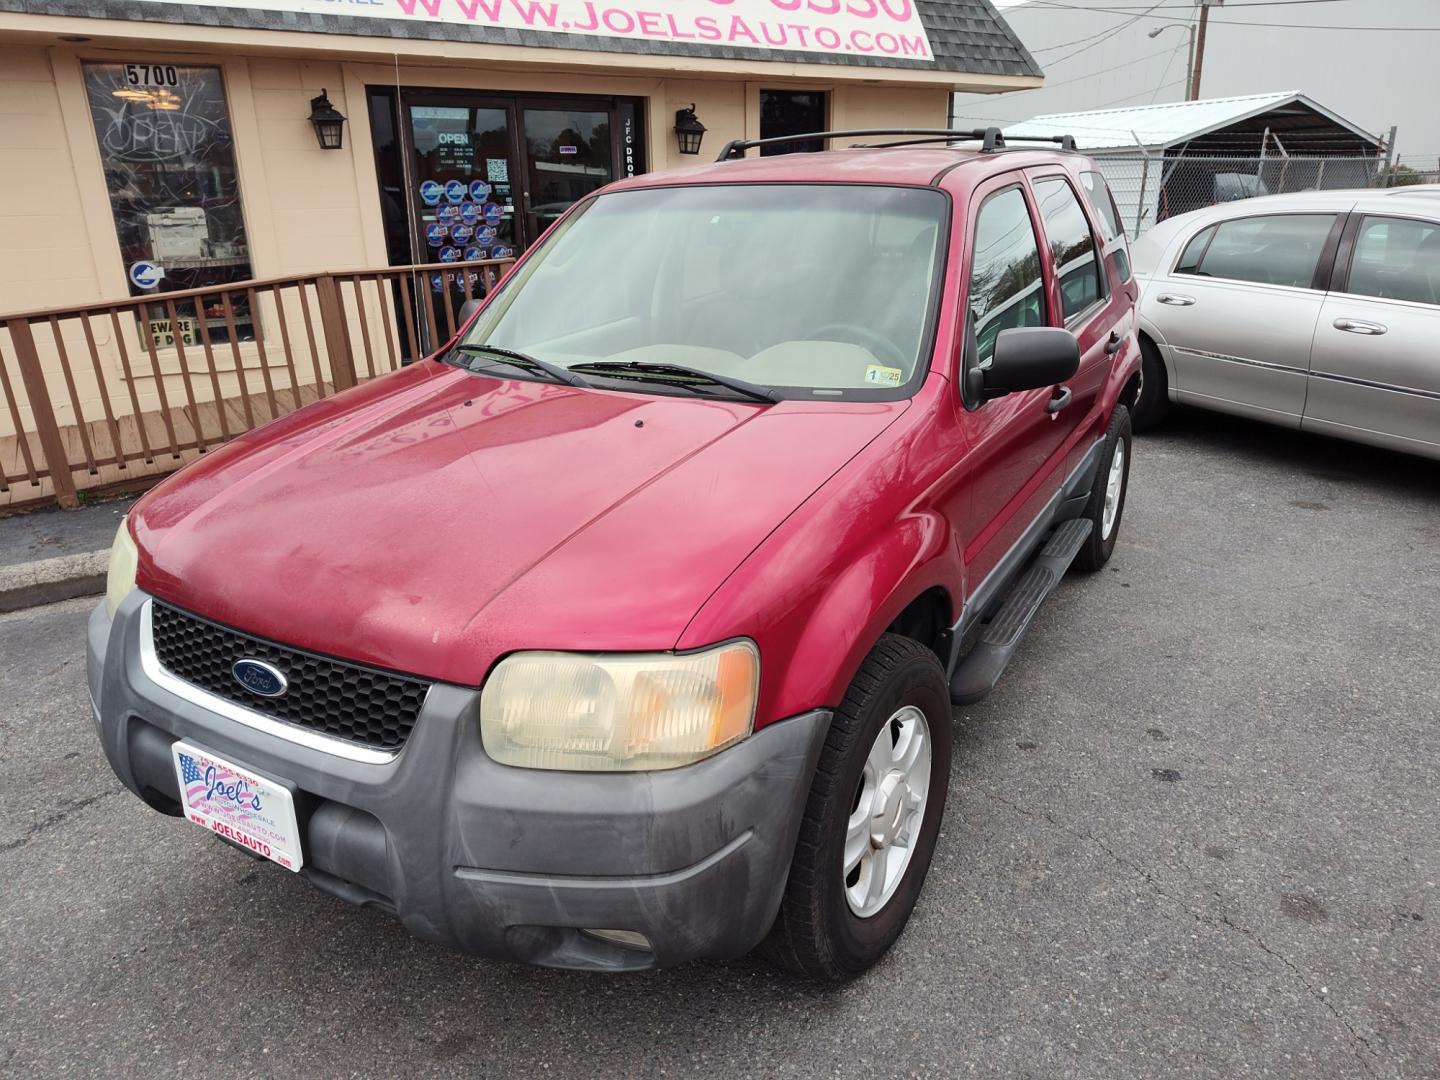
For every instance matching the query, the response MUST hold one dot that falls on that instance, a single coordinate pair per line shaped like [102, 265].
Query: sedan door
[1239, 309]
[1375, 371]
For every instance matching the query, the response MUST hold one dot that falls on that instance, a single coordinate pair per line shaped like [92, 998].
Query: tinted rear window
[1072, 245]
[1103, 202]
[1280, 249]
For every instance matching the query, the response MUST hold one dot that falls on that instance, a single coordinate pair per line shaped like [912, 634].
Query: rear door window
[1007, 288]
[1103, 201]
[1278, 249]
[1397, 259]
[1072, 245]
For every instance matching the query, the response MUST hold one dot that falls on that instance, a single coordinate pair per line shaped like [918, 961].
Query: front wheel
[871, 822]
[1107, 493]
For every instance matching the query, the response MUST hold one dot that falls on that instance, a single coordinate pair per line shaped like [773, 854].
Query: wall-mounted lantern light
[688, 130]
[328, 121]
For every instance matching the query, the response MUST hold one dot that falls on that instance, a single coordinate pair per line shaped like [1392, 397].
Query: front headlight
[618, 712]
[120, 579]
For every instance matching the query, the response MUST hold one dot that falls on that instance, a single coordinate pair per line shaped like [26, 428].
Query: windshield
[812, 289]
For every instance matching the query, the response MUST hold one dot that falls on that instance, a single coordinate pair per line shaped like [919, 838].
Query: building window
[792, 112]
[169, 161]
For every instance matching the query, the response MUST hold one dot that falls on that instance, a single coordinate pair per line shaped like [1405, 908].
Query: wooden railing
[108, 395]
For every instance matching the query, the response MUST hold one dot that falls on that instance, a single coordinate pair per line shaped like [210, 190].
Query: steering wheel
[878, 344]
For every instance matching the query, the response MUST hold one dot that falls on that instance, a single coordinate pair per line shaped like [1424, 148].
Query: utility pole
[1194, 91]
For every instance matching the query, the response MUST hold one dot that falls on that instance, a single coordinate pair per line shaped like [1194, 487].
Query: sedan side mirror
[1028, 358]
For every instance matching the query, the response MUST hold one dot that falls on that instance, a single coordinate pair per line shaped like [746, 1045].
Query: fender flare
[900, 565]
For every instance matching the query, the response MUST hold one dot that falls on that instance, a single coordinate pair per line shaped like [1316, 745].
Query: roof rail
[990, 139]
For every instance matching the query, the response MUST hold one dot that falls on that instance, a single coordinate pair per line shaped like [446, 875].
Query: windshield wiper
[525, 360]
[635, 369]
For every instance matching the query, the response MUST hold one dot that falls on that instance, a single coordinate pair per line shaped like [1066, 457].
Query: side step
[981, 668]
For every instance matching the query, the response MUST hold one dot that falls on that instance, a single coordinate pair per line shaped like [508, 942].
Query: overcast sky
[1373, 78]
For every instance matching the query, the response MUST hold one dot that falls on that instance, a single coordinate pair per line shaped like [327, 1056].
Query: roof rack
[990, 139]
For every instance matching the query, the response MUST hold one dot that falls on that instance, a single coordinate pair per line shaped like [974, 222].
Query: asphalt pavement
[1191, 834]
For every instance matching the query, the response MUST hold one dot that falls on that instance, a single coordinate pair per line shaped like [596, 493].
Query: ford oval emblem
[260, 678]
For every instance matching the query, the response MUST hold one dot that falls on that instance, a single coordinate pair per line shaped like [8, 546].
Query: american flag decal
[189, 770]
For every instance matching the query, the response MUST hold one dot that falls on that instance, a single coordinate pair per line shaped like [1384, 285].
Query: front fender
[821, 611]
[863, 601]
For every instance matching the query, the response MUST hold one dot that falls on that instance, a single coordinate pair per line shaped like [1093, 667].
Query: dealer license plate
[232, 801]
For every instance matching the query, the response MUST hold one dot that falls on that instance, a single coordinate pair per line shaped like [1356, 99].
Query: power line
[1089, 37]
[1096, 74]
[1136, 7]
[1183, 45]
[1112, 33]
[1230, 22]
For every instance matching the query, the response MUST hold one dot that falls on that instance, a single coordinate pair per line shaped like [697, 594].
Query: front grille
[358, 704]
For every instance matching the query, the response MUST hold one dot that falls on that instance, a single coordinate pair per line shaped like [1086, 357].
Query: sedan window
[1280, 249]
[1397, 259]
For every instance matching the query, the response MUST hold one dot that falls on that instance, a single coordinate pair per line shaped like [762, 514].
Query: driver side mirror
[1026, 358]
[466, 310]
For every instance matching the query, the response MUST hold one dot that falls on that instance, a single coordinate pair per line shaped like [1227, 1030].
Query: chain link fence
[1150, 188]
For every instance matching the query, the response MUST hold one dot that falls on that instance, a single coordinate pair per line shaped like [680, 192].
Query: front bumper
[503, 862]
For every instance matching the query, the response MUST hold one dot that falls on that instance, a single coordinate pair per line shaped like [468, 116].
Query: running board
[981, 668]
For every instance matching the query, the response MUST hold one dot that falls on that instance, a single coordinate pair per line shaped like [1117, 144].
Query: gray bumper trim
[504, 862]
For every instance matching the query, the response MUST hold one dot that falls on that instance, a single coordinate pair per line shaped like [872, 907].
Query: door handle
[1059, 401]
[1175, 299]
[1360, 326]
[1113, 345]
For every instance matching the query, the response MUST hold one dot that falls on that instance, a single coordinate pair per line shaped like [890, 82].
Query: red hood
[434, 520]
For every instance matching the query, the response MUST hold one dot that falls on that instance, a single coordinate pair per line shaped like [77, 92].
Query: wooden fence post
[337, 334]
[57, 462]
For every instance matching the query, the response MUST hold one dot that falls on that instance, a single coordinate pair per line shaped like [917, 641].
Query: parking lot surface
[1192, 833]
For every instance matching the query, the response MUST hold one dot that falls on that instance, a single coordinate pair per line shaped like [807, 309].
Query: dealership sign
[885, 29]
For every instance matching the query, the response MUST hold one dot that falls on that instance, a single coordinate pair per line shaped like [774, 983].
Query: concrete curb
[48, 581]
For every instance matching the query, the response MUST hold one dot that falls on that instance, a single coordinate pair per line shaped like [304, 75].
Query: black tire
[1099, 545]
[816, 934]
[1153, 401]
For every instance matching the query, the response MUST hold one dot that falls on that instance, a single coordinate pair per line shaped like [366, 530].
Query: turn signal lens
[120, 578]
[618, 712]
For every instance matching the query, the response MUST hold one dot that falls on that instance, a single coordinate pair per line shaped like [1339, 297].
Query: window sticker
[435, 234]
[497, 170]
[430, 192]
[880, 375]
[473, 253]
[146, 275]
[449, 254]
[479, 190]
[447, 215]
[455, 191]
[470, 214]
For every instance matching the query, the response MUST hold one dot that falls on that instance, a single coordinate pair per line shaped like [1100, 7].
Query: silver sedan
[1318, 311]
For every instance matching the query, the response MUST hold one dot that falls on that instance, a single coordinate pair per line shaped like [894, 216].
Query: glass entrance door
[570, 152]
[464, 156]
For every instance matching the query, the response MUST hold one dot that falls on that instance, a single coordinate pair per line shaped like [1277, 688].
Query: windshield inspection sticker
[880, 375]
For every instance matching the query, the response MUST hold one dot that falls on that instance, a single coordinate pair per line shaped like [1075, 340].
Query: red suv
[626, 629]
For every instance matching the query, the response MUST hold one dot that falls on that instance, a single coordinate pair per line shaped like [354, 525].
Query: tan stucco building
[149, 146]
